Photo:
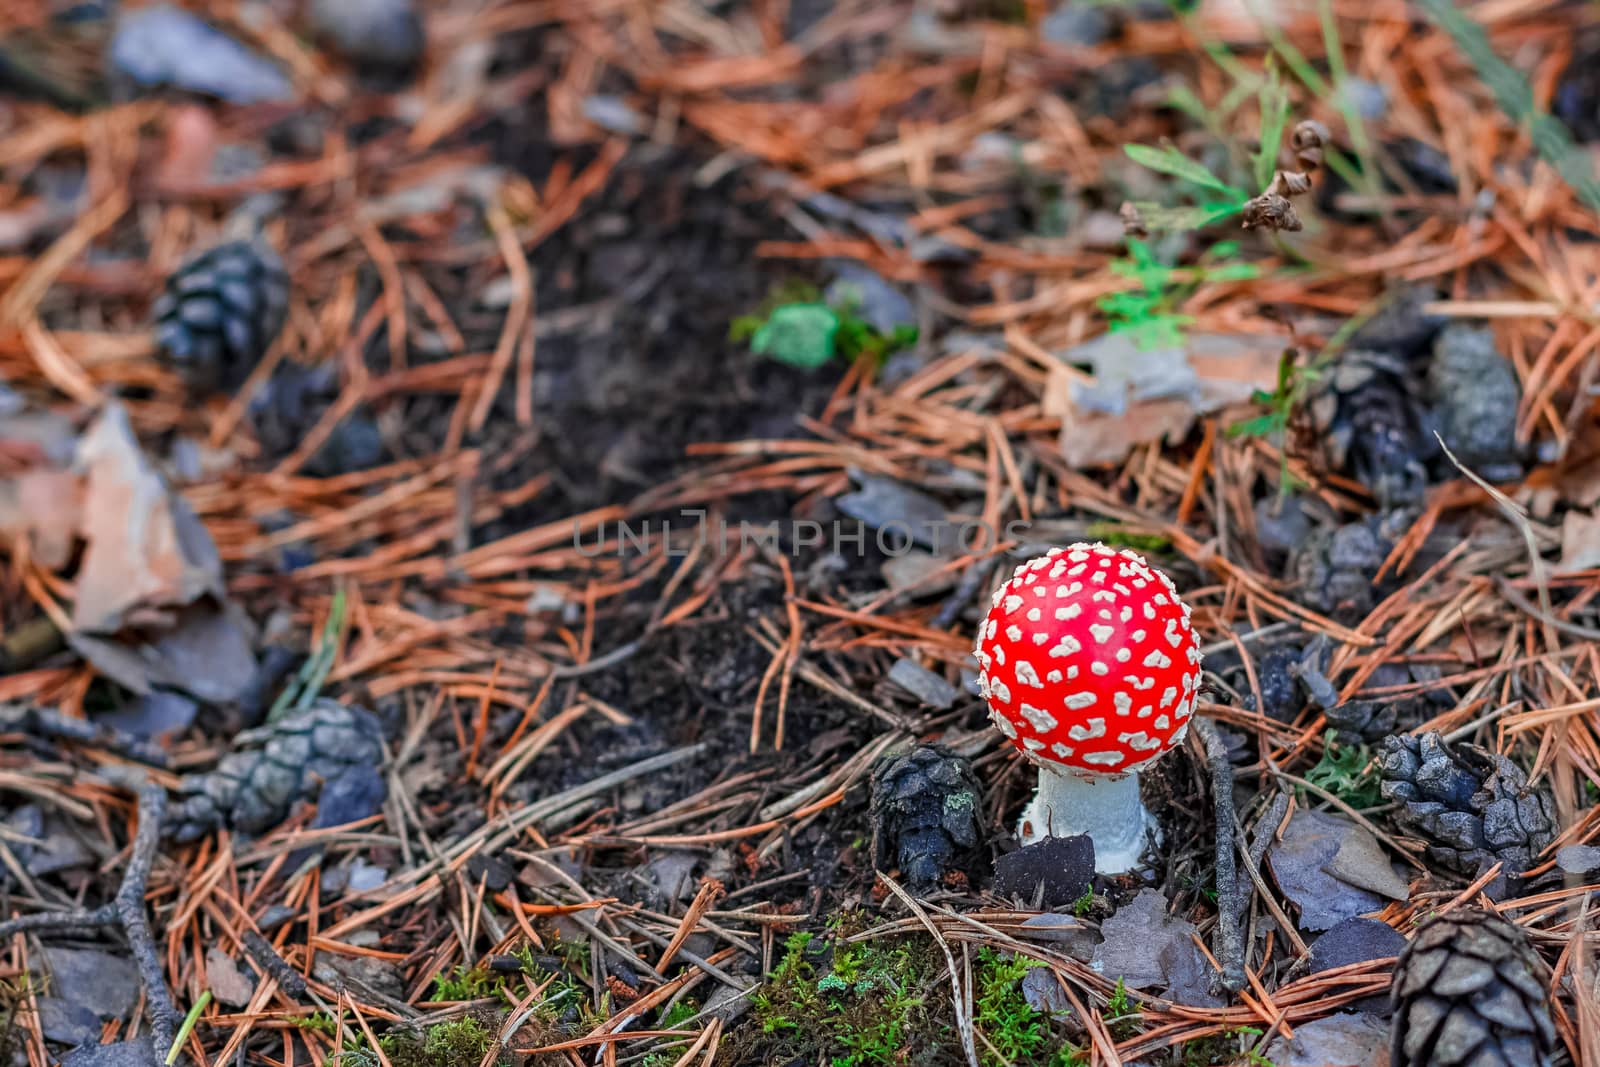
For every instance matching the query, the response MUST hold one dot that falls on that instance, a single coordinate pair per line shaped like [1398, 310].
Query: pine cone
[1337, 567]
[220, 312]
[1474, 807]
[1476, 394]
[924, 815]
[1370, 721]
[1367, 422]
[305, 752]
[1470, 990]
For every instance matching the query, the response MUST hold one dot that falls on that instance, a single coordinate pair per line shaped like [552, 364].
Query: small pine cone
[1469, 991]
[1365, 418]
[1337, 567]
[924, 815]
[220, 312]
[1370, 721]
[1474, 807]
[298, 757]
[1476, 395]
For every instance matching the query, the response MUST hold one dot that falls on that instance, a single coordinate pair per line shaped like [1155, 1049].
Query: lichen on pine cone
[1470, 991]
[220, 312]
[1473, 807]
[924, 815]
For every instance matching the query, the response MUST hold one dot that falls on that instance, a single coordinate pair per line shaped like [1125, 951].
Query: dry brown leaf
[146, 548]
[1580, 542]
[1138, 396]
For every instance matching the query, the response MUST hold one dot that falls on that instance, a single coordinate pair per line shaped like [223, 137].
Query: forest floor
[626, 594]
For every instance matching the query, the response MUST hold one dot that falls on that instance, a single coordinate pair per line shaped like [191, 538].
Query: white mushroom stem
[1104, 806]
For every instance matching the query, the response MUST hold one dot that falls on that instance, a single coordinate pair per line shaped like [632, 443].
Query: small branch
[127, 910]
[46, 722]
[267, 958]
[1232, 897]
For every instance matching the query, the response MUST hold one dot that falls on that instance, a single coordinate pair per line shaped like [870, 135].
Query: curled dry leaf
[1308, 140]
[1135, 396]
[1132, 221]
[1269, 211]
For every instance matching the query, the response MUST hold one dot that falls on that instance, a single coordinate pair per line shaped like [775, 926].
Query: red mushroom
[1091, 668]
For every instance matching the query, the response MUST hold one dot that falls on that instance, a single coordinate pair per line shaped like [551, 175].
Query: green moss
[460, 1043]
[1013, 1032]
[846, 1004]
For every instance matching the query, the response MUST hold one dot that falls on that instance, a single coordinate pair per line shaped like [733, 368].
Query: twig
[267, 958]
[1232, 897]
[47, 722]
[126, 909]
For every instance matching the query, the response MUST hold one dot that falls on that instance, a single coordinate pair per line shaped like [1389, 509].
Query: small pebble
[378, 34]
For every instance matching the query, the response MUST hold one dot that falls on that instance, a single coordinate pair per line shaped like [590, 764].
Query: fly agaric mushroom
[1091, 668]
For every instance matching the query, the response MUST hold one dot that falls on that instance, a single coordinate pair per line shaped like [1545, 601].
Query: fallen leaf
[1361, 862]
[228, 983]
[1580, 542]
[146, 548]
[1298, 862]
[1147, 948]
[1134, 396]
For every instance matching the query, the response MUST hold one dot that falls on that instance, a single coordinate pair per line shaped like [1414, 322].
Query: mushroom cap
[1088, 661]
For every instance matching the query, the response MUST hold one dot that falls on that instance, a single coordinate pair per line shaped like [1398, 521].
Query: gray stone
[1042, 990]
[878, 303]
[67, 1022]
[1349, 1039]
[136, 1053]
[105, 984]
[897, 512]
[165, 45]
[1356, 941]
[1051, 872]
[1578, 859]
[673, 874]
[374, 33]
[1077, 23]
[228, 982]
[923, 684]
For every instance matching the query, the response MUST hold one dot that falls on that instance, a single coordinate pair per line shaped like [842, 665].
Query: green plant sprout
[1346, 771]
[795, 326]
[1149, 313]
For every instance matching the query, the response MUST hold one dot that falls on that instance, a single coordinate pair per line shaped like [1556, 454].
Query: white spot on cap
[1104, 596]
[1027, 675]
[1124, 590]
[1099, 668]
[1076, 571]
[1032, 744]
[1087, 730]
[1100, 632]
[1040, 637]
[1157, 659]
[1127, 613]
[1172, 635]
[1141, 683]
[1040, 719]
[1077, 555]
[1000, 654]
[1169, 695]
[1061, 751]
[1003, 724]
[1123, 702]
[1002, 692]
[1162, 722]
[1161, 598]
[1072, 670]
[1137, 636]
[1098, 577]
[1079, 701]
[1149, 612]
[1034, 615]
[1013, 602]
[1013, 632]
[983, 659]
[1146, 711]
[1069, 612]
[1123, 655]
[1067, 646]
[1103, 759]
[1140, 741]
[1053, 676]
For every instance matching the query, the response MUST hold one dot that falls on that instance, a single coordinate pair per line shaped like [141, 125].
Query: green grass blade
[1168, 160]
[187, 1028]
